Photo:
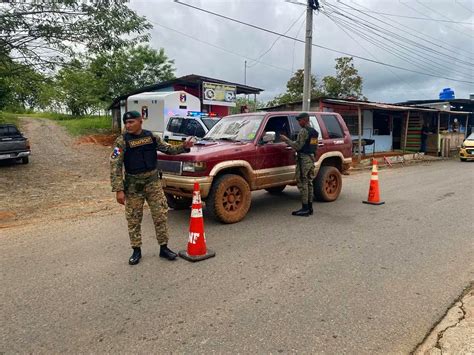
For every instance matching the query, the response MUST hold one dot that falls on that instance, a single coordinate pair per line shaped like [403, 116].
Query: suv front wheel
[328, 184]
[229, 198]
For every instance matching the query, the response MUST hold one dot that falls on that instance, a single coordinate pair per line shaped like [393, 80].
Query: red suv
[243, 153]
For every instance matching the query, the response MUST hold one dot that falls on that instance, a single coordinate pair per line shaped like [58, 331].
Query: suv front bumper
[179, 185]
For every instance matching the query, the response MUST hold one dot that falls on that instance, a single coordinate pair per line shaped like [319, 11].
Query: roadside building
[455, 121]
[216, 96]
[380, 127]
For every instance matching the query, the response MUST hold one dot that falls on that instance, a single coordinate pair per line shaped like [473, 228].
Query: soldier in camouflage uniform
[305, 146]
[135, 151]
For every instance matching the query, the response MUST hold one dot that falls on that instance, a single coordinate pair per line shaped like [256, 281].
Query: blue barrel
[446, 94]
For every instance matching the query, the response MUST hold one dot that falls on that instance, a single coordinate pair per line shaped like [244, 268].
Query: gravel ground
[65, 179]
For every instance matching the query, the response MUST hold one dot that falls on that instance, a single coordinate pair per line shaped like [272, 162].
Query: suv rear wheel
[328, 184]
[229, 198]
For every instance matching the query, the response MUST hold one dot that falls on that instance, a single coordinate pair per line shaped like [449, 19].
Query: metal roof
[375, 105]
[191, 80]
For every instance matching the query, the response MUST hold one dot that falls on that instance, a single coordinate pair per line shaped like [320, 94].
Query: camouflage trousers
[153, 194]
[305, 174]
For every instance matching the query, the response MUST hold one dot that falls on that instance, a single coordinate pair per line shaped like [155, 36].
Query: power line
[393, 34]
[416, 31]
[218, 47]
[276, 40]
[319, 46]
[418, 18]
[363, 24]
[429, 17]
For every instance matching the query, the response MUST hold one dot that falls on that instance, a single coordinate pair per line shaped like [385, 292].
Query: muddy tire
[327, 184]
[229, 199]
[25, 160]
[178, 202]
[463, 159]
[275, 190]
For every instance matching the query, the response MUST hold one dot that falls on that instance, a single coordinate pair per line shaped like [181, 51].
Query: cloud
[380, 83]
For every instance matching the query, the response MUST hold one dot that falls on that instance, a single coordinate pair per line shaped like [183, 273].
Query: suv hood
[206, 150]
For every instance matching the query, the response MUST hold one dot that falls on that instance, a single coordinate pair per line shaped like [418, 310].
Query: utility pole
[245, 72]
[311, 5]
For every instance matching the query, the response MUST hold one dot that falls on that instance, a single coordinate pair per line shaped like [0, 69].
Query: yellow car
[466, 152]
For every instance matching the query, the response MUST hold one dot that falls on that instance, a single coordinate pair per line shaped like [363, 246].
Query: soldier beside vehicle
[305, 146]
[135, 152]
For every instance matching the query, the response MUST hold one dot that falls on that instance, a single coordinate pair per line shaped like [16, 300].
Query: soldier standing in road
[305, 147]
[135, 150]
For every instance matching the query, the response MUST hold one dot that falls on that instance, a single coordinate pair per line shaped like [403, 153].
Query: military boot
[302, 212]
[136, 256]
[310, 208]
[167, 253]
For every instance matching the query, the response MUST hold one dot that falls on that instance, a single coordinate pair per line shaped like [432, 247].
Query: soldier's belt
[135, 183]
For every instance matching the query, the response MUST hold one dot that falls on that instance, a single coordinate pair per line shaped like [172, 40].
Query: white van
[179, 128]
[157, 107]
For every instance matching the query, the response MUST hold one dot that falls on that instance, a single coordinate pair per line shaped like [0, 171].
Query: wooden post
[465, 129]
[359, 122]
[406, 133]
[437, 133]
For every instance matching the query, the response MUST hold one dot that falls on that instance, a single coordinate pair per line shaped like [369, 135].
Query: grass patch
[75, 125]
[87, 125]
[6, 117]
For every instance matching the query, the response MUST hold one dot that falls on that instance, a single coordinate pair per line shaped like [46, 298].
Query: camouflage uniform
[305, 171]
[140, 188]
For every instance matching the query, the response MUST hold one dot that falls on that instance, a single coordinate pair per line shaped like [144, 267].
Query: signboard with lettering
[219, 94]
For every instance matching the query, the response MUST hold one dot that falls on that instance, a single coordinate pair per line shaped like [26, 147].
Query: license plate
[5, 156]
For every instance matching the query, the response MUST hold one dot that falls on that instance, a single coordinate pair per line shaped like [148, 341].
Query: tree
[294, 90]
[124, 70]
[44, 33]
[77, 89]
[20, 86]
[251, 104]
[346, 84]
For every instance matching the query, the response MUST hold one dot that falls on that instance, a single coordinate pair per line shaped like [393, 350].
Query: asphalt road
[353, 278]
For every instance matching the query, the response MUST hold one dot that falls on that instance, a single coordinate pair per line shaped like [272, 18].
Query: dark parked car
[13, 145]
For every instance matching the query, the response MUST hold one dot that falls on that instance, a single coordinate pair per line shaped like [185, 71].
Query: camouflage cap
[302, 115]
[131, 115]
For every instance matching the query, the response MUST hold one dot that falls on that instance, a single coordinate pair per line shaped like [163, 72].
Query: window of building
[381, 124]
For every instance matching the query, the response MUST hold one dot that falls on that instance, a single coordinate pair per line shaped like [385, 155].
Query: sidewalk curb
[396, 164]
[454, 332]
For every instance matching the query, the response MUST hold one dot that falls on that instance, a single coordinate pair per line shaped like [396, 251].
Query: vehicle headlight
[463, 146]
[193, 166]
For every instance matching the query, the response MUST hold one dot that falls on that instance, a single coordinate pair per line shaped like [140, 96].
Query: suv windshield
[210, 122]
[238, 128]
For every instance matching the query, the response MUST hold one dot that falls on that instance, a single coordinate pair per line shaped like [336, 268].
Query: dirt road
[64, 179]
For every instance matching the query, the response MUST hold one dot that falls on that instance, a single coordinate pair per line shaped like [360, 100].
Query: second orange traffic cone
[197, 249]
[374, 193]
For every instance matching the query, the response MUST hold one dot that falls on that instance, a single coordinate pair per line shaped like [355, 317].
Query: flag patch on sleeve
[116, 153]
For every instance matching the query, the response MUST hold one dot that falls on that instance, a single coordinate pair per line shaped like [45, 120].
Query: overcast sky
[219, 47]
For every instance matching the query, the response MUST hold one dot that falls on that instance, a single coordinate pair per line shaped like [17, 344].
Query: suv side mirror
[269, 137]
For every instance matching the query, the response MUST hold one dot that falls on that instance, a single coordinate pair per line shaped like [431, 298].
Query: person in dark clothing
[425, 132]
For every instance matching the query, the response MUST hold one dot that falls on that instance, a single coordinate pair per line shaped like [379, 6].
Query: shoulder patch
[116, 153]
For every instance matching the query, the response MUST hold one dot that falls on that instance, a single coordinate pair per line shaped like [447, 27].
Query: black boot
[303, 212]
[310, 208]
[167, 253]
[136, 256]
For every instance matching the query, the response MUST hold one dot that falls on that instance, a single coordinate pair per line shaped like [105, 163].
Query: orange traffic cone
[197, 250]
[374, 195]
